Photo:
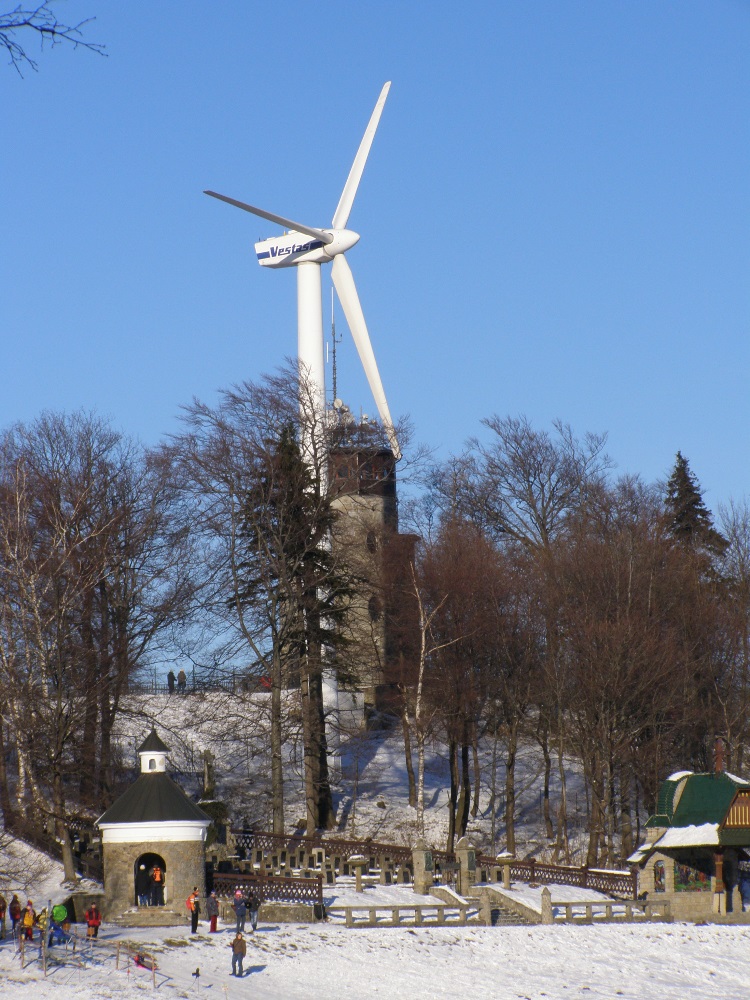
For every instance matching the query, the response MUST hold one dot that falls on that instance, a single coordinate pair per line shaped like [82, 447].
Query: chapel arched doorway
[150, 880]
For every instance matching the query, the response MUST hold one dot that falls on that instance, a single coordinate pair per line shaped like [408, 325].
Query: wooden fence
[271, 888]
[87, 867]
[294, 846]
[616, 883]
[302, 851]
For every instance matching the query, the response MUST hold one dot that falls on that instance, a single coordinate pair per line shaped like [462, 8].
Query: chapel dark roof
[152, 744]
[153, 798]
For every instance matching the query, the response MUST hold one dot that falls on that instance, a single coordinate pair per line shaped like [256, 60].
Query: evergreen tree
[289, 570]
[690, 521]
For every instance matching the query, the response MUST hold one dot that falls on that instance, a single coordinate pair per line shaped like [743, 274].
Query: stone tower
[152, 823]
[363, 480]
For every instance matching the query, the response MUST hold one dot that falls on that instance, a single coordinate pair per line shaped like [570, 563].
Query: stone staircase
[501, 915]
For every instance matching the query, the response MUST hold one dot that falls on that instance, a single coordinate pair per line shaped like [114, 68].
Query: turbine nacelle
[295, 247]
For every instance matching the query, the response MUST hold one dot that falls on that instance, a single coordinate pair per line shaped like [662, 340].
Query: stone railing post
[358, 862]
[506, 860]
[546, 906]
[423, 868]
[467, 859]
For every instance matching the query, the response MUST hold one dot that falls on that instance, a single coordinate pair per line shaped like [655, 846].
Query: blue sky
[554, 216]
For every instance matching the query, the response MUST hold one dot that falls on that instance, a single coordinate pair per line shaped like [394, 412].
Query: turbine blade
[347, 293]
[286, 223]
[344, 207]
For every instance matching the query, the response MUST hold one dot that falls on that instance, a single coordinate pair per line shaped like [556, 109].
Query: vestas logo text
[295, 248]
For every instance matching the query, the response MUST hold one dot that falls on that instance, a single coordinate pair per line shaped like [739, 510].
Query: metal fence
[227, 684]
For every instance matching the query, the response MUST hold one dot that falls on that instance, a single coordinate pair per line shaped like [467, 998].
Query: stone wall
[184, 869]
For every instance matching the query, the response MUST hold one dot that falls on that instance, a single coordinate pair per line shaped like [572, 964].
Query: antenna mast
[335, 340]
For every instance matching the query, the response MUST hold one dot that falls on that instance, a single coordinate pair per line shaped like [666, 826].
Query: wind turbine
[306, 248]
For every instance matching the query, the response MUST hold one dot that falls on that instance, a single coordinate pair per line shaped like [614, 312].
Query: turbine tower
[306, 248]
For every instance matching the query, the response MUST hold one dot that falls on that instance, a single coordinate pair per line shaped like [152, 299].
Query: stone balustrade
[416, 915]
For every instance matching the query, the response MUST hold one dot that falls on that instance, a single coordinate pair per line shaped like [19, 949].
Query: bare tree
[627, 595]
[48, 479]
[92, 575]
[522, 486]
[40, 21]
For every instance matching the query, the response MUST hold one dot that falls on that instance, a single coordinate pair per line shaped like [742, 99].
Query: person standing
[212, 912]
[253, 906]
[14, 911]
[170, 681]
[157, 886]
[182, 682]
[240, 910]
[3, 911]
[93, 920]
[28, 920]
[143, 886]
[239, 950]
[193, 904]
[744, 880]
[42, 921]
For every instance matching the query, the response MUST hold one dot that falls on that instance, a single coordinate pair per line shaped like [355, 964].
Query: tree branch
[42, 20]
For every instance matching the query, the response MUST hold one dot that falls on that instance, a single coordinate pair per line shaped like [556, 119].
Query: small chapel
[697, 843]
[153, 824]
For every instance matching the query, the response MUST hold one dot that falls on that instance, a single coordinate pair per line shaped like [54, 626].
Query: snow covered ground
[300, 962]
[286, 962]
[291, 962]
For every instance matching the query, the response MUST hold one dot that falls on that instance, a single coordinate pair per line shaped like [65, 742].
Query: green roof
[665, 803]
[705, 798]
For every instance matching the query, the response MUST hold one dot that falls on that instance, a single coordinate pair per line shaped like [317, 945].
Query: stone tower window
[152, 764]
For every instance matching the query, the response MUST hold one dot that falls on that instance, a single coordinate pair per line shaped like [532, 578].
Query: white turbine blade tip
[344, 207]
[347, 293]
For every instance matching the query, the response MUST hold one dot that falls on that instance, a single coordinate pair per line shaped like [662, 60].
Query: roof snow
[705, 835]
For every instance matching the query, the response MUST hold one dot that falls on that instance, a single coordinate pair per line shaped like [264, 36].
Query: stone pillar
[358, 863]
[546, 906]
[423, 868]
[506, 860]
[720, 896]
[467, 859]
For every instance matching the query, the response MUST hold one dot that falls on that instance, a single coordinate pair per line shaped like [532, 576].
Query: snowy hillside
[370, 782]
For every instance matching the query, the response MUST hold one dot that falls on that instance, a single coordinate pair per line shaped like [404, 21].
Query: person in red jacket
[14, 911]
[93, 920]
